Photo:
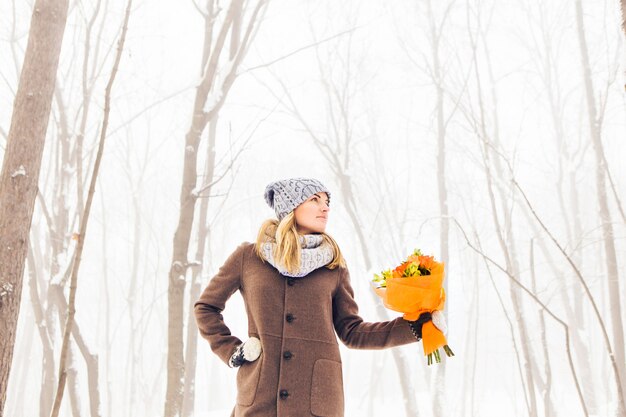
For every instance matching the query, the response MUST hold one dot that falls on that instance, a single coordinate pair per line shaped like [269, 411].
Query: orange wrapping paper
[416, 295]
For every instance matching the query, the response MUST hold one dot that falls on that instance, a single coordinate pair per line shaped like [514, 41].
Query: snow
[20, 171]
[67, 169]
[213, 100]
[5, 289]
[217, 90]
[58, 278]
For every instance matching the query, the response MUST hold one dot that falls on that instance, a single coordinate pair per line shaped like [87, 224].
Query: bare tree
[608, 237]
[210, 96]
[549, 409]
[623, 9]
[22, 162]
[195, 285]
[620, 406]
[64, 180]
[544, 46]
[436, 70]
[500, 204]
[69, 325]
[48, 371]
[514, 280]
[210, 179]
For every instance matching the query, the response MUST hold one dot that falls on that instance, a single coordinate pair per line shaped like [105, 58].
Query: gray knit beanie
[285, 195]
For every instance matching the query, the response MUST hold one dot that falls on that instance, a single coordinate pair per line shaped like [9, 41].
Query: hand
[439, 320]
[249, 351]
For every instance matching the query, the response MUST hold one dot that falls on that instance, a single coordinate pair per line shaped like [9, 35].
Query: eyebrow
[319, 196]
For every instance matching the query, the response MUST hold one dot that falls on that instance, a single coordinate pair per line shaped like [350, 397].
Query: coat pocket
[247, 381]
[327, 389]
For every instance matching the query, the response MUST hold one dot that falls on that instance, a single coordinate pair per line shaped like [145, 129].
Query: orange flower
[413, 258]
[399, 270]
[427, 262]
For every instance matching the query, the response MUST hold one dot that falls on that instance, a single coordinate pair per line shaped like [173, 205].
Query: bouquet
[415, 287]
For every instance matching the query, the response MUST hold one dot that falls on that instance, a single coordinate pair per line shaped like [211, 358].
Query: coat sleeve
[357, 334]
[208, 309]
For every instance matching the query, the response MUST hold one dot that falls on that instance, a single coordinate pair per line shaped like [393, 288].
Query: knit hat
[285, 195]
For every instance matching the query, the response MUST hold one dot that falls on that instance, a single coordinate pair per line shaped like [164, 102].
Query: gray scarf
[314, 255]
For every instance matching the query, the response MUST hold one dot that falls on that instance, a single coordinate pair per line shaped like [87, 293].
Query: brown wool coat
[299, 372]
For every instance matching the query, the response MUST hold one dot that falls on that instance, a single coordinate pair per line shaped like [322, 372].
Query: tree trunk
[134, 351]
[196, 287]
[438, 373]
[623, 4]
[107, 316]
[605, 215]
[22, 163]
[72, 383]
[471, 351]
[549, 410]
[623, 8]
[48, 372]
[571, 301]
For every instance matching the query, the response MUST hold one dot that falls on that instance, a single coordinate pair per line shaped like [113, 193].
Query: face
[312, 215]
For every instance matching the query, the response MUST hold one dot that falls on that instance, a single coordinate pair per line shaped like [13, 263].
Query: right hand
[249, 351]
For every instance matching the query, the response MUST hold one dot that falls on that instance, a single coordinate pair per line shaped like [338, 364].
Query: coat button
[283, 394]
[289, 317]
[291, 281]
[287, 355]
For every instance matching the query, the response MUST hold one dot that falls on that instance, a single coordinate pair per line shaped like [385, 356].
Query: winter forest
[137, 138]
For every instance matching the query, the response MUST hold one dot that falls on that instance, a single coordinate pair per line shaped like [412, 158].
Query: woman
[297, 294]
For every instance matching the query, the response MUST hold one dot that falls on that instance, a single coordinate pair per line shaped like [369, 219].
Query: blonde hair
[287, 251]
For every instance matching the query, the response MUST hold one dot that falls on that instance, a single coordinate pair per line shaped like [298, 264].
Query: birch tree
[21, 165]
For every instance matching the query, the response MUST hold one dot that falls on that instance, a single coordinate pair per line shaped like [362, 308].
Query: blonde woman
[298, 299]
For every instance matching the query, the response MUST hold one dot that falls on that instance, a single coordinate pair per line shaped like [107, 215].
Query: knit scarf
[314, 254]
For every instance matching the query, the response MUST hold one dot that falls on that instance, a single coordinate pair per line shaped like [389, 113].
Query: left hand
[439, 320]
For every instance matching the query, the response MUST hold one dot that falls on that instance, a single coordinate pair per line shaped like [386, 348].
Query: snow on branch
[21, 171]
